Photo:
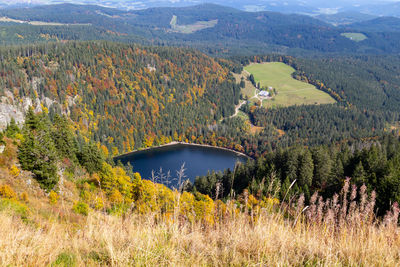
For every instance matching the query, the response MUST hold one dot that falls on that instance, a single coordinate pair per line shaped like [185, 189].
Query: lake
[198, 161]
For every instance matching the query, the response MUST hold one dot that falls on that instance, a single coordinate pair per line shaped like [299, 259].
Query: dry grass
[337, 232]
[269, 240]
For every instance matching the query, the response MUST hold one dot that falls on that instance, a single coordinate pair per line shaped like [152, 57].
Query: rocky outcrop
[9, 111]
[11, 108]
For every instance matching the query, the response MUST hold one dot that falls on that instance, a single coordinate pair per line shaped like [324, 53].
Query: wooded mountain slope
[124, 96]
[231, 31]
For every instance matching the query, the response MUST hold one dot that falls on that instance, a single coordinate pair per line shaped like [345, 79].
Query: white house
[263, 94]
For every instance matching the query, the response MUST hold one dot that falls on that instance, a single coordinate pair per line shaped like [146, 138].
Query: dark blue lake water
[198, 161]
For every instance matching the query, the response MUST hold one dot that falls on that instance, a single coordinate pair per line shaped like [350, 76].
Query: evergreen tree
[63, 137]
[90, 157]
[12, 129]
[306, 169]
[37, 153]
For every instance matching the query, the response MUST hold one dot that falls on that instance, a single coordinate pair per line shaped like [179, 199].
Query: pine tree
[90, 158]
[306, 169]
[12, 129]
[63, 137]
[37, 152]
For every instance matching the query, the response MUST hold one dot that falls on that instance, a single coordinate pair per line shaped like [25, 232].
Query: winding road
[238, 108]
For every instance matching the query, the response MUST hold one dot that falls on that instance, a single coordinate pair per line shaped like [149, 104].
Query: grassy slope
[249, 90]
[191, 28]
[290, 91]
[146, 240]
[354, 36]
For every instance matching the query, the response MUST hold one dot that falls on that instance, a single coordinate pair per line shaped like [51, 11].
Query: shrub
[98, 203]
[81, 208]
[16, 207]
[116, 197]
[14, 171]
[65, 259]
[7, 192]
[53, 197]
[19, 137]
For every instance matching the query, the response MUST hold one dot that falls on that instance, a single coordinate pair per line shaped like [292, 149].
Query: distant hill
[385, 9]
[212, 28]
[383, 24]
[344, 18]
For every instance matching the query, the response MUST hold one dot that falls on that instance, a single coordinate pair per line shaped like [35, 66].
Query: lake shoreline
[182, 143]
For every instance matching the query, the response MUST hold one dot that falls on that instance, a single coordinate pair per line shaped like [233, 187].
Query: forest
[236, 32]
[124, 96]
[321, 169]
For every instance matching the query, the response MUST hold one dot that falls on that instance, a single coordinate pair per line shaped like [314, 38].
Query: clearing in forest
[355, 36]
[289, 90]
[191, 28]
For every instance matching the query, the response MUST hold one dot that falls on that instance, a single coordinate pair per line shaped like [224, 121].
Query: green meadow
[290, 91]
[191, 28]
[355, 36]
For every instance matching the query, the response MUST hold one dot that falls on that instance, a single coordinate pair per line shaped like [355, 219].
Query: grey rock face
[9, 111]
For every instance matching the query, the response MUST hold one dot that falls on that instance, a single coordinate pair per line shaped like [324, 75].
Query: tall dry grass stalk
[333, 232]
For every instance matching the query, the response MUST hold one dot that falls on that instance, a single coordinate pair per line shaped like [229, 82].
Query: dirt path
[238, 108]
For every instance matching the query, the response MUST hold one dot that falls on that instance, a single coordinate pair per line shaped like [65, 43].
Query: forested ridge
[366, 90]
[236, 32]
[124, 96]
[128, 96]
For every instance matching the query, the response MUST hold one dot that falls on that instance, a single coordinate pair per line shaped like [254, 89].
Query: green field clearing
[354, 36]
[42, 23]
[191, 28]
[249, 89]
[290, 91]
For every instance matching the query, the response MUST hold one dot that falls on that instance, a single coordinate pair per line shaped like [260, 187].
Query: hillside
[129, 97]
[124, 96]
[345, 18]
[95, 212]
[383, 24]
[301, 116]
[227, 30]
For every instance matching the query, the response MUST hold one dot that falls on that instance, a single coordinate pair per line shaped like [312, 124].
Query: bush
[53, 197]
[81, 208]
[7, 192]
[65, 259]
[16, 207]
[98, 203]
[14, 171]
